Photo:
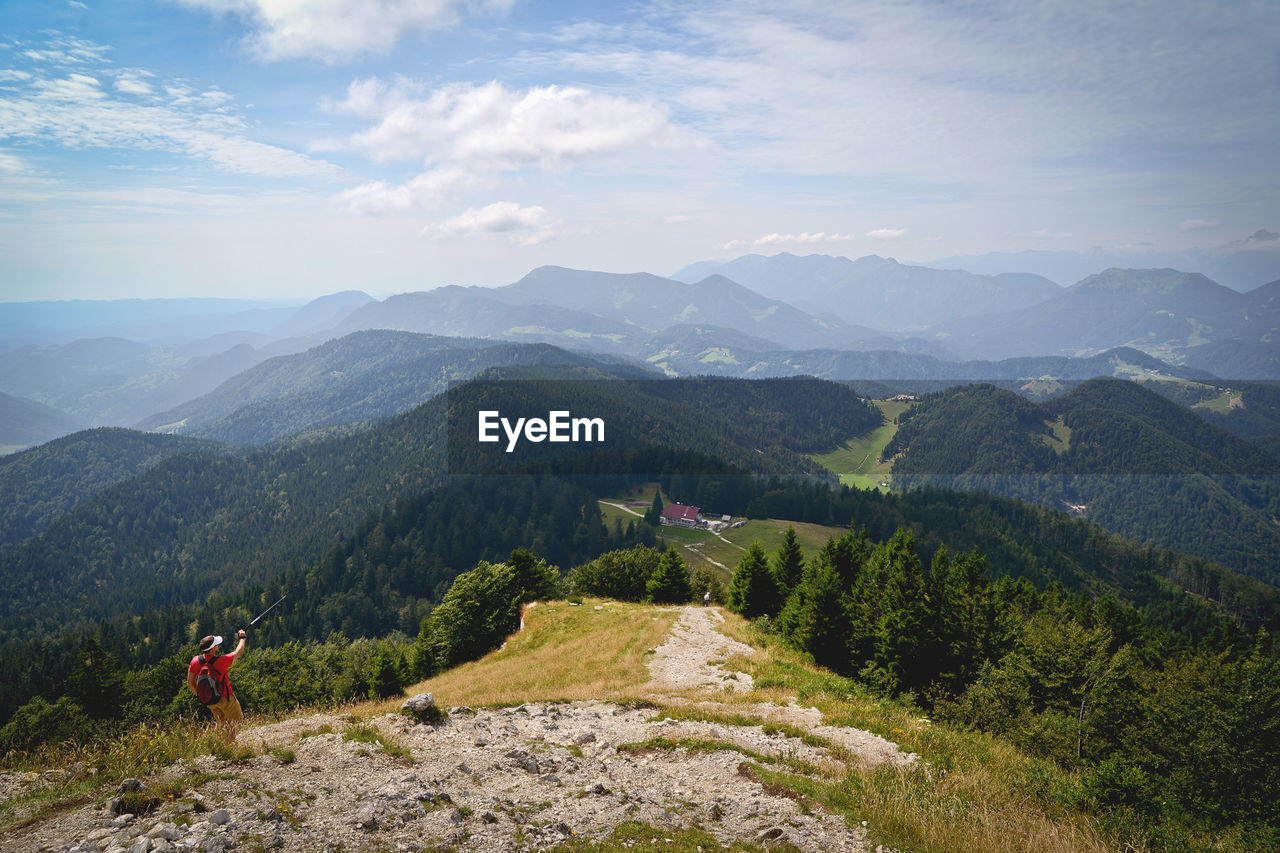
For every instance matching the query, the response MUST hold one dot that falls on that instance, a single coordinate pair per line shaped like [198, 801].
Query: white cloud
[1193, 225]
[12, 164]
[333, 30]
[527, 226]
[133, 84]
[803, 238]
[886, 233]
[465, 133]
[70, 89]
[424, 192]
[61, 103]
[999, 101]
[491, 127]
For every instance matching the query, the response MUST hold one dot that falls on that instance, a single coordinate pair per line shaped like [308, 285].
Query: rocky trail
[503, 779]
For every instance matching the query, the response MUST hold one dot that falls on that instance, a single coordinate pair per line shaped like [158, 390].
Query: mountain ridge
[880, 292]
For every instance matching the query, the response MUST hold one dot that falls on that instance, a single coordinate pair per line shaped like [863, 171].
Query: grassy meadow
[857, 461]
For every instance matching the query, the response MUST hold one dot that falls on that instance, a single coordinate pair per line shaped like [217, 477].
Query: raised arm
[239, 646]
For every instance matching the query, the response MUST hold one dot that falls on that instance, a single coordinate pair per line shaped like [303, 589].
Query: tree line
[1168, 729]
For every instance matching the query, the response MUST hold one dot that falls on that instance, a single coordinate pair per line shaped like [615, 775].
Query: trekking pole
[263, 613]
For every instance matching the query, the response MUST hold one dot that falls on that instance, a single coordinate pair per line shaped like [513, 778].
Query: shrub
[38, 722]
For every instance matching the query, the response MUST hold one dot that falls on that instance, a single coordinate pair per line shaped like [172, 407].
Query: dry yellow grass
[971, 792]
[565, 652]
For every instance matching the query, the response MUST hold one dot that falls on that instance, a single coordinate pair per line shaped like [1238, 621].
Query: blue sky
[292, 148]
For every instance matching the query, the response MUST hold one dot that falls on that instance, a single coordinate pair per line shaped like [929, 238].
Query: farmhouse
[679, 514]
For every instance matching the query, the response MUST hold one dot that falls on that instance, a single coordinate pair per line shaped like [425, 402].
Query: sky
[291, 148]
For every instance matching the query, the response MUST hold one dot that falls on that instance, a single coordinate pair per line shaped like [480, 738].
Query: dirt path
[623, 508]
[694, 656]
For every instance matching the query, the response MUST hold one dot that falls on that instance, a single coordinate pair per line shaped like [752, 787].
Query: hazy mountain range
[871, 318]
[1166, 313]
[1239, 264]
[877, 291]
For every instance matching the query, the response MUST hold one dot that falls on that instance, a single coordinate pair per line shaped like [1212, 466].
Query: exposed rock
[367, 818]
[422, 708]
[167, 831]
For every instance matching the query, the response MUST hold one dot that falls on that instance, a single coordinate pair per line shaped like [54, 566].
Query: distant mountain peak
[1159, 280]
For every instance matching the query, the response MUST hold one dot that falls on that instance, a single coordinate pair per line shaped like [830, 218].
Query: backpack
[208, 687]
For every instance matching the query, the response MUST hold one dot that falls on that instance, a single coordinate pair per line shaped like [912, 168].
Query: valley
[858, 462]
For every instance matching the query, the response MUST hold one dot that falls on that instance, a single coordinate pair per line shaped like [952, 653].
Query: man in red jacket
[226, 711]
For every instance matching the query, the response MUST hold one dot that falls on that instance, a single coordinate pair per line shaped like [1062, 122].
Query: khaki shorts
[227, 710]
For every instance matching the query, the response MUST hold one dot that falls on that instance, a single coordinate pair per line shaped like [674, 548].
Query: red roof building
[685, 516]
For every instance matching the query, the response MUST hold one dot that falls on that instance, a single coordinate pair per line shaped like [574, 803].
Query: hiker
[706, 599]
[218, 695]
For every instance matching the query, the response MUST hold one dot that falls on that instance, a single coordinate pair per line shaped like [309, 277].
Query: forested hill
[42, 483]
[201, 522]
[1252, 412]
[1131, 460]
[360, 377]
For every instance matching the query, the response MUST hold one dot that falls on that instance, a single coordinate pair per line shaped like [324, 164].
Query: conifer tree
[788, 563]
[654, 515]
[96, 683]
[384, 674]
[753, 591]
[961, 628]
[815, 618]
[669, 583]
[890, 613]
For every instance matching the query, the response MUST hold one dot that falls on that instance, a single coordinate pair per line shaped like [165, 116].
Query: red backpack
[209, 687]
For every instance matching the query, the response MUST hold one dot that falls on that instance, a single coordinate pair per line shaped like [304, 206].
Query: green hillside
[361, 377]
[1131, 460]
[43, 483]
[387, 535]
[1047, 720]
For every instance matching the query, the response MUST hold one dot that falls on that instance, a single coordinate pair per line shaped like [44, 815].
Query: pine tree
[654, 515]
[669, 584]
[96, 682]
[788, 563]
[753, 591]
[815, 617]
[384, 674]
[890, 615]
